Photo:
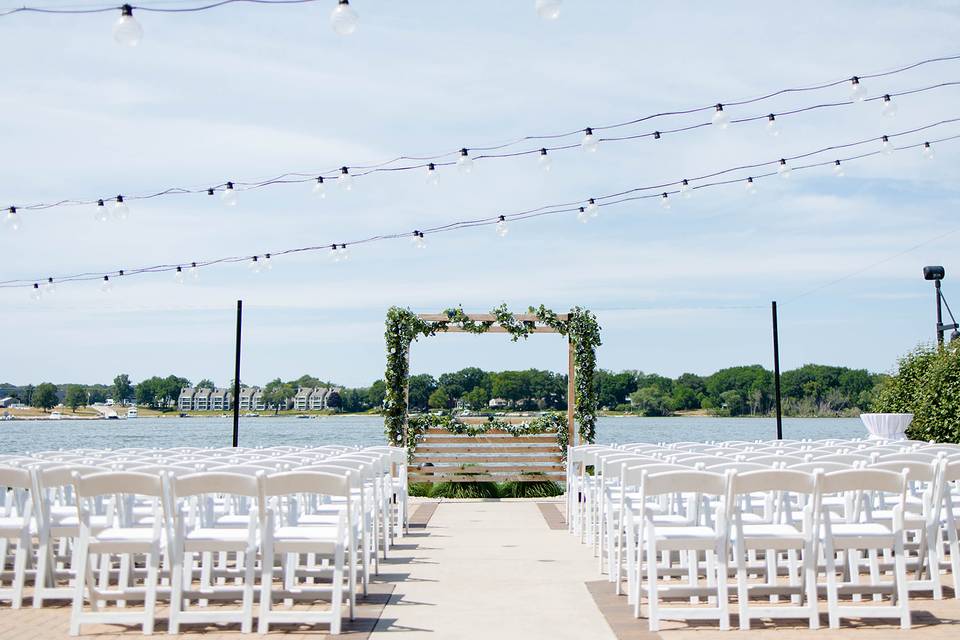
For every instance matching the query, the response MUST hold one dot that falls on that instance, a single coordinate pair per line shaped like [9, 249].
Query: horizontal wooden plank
[498, 440]
[512, 468]
[486, 478]
[485, 317]
[421, 450]
[419, 460]
[483, 420]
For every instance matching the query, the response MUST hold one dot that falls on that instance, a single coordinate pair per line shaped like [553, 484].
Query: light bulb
[344, 252]
[420, 242]
[49, 288]
[858, 93]
[319, 188]
[772, 127]
[886, 146]
[126, 30]
[927, 151]
[35, 292]
[345, 179]
[889, 108]
[12, 220]
[120, 209]
[545, 161]
[592, 209]
[334, 253]
[784, 169]
[464, 162]
[750, 186]
[268, 262]
[107, 286]
[685, 189]
[194, 271]
[548, 9]
[589, 141]
[178, 276]
[665, 200]
[720, 117]
[100, 213]
[838, 169]
[229, 195]
[502, 228]
[343, 18]
[432, 176]
[582, 216]
[254, 265]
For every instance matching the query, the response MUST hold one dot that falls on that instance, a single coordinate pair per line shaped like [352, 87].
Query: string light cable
[464, 157]
[683, 187]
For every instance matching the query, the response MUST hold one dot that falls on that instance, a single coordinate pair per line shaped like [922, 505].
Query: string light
[772, 127]
[254, 265]
[126, 30]
[432, 176]
[858, 93]
[194, 271]
[120, 209]
[343, 18]
[885, 145]
[593, 209]
[35, 293]
[178, 275]
[545, 161]
[100, 213]
[229, 195]
[319, 188]
[464, 161]
[12, 220]
[107, 286]
[501, 227]
[50, 288]
[589, 141]
[346, 180]
[268, 262]
[889, 108]
[717, 178]
[721, 118]
[784, 169]
[421, 162]
[838, 169]
[665, 200]
[685, 189]
[927, 151]
[548, 9]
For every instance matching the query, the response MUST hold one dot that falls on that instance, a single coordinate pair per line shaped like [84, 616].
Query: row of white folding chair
[650, 534]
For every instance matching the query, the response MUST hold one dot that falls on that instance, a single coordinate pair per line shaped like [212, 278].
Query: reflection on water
[38, 435]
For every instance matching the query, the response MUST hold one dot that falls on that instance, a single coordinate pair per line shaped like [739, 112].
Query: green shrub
[927, 384]
[541, 489]
[457, 490]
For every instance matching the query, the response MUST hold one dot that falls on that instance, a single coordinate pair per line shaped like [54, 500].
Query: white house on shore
[252, 399]
[316, 398]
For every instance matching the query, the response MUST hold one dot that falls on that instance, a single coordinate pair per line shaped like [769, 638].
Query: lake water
[18, 436]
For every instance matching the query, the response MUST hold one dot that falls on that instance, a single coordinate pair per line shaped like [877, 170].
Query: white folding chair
[16, 525]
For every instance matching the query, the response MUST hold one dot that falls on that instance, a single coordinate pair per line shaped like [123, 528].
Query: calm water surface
[19, 436]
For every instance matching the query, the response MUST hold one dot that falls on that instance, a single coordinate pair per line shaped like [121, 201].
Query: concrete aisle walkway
[491, 570]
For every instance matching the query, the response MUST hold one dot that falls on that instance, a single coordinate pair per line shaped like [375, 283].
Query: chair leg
[743, 592]
[719, 562]
[902, 589]
[20, 570]
[43, 573]
[248, 579]
[653, 608]
[176, 595]
[832, 599]
[266, 587]
[336, 600]
[80, 561]
[150, 602]
[810, 584]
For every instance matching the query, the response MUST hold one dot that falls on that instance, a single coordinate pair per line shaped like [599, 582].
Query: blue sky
[248, 91]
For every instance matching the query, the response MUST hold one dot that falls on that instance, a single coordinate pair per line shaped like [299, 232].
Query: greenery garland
[417, 427]
[403, 327]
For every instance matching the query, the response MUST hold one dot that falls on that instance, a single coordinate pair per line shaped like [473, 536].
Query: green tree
[733, 401]
[121, 389]
[510, 385]
[421, 386]
[206, 383]
[439, 399]
[927, 384]
[377, 393]
[44, 396]
[651, 401]
[477, 399]
[96, 395]
[460, 382]
[76, 396]
[146, 392]
[277, 392]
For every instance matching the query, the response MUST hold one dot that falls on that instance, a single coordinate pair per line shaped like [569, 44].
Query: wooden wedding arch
[481, 449]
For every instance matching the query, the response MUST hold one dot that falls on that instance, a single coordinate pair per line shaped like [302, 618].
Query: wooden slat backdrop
[496, 456]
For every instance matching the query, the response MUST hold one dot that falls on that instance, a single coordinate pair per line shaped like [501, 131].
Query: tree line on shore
[810, 390]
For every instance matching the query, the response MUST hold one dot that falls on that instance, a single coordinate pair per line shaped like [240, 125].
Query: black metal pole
[940, 329]
[236, 379]
[776, 371]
